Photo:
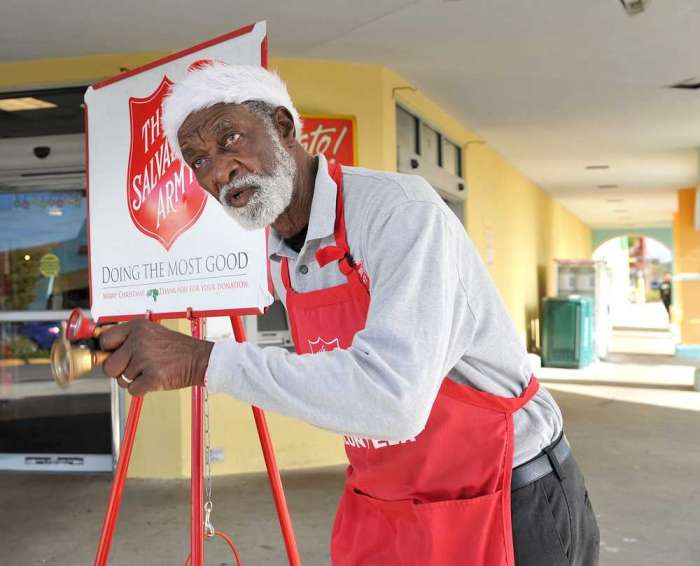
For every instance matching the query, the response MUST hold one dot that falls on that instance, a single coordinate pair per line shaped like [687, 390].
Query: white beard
[272, 193]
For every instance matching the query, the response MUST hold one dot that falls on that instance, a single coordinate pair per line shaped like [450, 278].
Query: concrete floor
[634, 429]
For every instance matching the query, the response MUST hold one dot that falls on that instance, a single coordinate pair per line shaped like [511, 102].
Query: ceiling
[553, 86]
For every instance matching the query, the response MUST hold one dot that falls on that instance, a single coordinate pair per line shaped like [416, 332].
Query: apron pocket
[364, 535]
[442, 533]
[464, 531]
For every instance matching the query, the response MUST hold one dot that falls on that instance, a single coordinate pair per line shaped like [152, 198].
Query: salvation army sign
[163, 196]
[157, 241]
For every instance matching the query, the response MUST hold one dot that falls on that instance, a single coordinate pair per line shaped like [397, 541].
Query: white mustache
[247, 181]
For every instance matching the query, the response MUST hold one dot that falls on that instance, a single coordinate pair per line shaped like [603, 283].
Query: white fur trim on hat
[215, 82]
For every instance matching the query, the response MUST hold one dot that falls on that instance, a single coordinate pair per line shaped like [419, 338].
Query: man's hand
[153, 357]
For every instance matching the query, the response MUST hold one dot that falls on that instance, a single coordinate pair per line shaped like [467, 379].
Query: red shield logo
[320, 345]
[164, 197]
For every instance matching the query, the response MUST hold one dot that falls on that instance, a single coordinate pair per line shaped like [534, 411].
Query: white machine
[589, 278]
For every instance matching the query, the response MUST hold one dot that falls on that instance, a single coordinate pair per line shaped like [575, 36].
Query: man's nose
[224, 171]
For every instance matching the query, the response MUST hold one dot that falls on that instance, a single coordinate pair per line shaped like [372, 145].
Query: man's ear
[285, 125]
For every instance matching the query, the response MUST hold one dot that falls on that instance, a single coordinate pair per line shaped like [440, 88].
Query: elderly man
[403, 345]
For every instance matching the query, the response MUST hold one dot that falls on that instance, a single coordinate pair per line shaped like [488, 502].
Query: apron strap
[328, 254]
[339, 232]
[508, 405]
[284, 271]
[526, 395]
[340, 251]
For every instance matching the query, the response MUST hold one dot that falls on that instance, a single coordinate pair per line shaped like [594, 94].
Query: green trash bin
[567, 341]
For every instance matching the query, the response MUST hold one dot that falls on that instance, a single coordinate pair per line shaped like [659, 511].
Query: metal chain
[208, 501]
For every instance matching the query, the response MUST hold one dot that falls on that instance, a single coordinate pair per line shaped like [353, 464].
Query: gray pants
[553, 521]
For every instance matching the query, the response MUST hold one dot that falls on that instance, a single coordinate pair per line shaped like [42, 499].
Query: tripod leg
[272, 471]
[197, 470]
[115, 496]
[276, 486]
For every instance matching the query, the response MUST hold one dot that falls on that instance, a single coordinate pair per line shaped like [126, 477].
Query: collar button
[304, 269]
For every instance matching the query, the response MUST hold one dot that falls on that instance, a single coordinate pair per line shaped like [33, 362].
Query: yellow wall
[329, 87]
[40, 73]
[686, 294]
[529, 231]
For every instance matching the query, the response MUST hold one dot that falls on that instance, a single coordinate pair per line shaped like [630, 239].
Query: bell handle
[99, 357]
[100, 329]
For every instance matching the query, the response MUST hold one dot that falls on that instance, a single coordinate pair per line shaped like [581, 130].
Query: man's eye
[231, 139]
[197, 163]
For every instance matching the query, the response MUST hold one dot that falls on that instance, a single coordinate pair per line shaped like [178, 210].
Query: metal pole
[115, 496]
[115, 418]
[272, 470]
[197, 470]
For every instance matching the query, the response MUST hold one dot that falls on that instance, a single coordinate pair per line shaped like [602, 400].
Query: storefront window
[36, 416]
[407, 130]
[44, 273]
[423, 150]
[43, 250]
[451, 158]
[430, 144]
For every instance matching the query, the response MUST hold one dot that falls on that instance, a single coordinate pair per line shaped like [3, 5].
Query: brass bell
[71, 361]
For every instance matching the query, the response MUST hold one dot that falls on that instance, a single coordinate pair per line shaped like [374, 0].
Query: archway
[601, 235]
[636, 266]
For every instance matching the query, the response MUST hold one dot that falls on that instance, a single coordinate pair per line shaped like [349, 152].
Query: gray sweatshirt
[434, 312]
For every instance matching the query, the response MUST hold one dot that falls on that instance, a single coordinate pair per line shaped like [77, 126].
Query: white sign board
[157, 241]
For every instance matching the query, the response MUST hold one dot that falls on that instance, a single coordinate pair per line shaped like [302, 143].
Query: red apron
[440, 499]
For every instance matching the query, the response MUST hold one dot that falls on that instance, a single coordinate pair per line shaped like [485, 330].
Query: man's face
[239, 159]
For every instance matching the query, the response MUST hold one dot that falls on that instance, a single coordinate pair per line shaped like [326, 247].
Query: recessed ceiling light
[615, 200]
[620, 211]
[607, 186]
[26, 103]
[594, 167]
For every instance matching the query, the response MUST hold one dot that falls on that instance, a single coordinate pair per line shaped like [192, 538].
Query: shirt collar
[322, 218]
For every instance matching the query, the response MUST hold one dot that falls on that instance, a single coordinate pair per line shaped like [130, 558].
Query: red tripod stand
[197, 534]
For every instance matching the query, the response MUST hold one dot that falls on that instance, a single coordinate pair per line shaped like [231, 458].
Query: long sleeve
[384, 385]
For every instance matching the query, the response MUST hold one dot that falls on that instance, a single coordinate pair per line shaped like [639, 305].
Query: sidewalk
[634, 429]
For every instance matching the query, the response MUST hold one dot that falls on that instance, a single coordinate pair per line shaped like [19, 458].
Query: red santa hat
[211, 82]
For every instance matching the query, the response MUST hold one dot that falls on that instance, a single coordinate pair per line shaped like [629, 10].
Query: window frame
[441, 137]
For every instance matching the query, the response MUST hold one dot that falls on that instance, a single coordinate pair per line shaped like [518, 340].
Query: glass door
[44, 274]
